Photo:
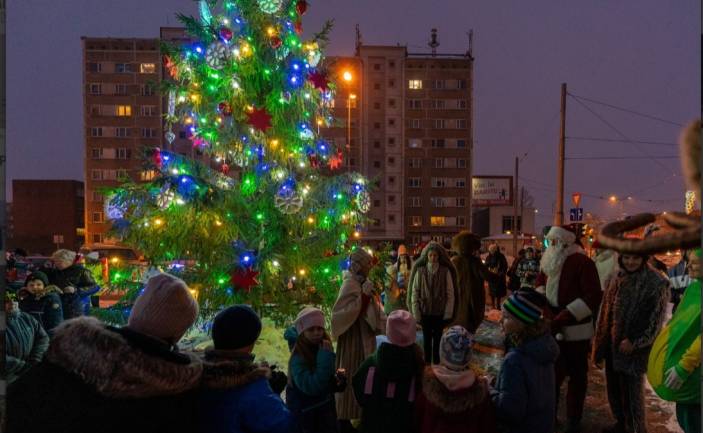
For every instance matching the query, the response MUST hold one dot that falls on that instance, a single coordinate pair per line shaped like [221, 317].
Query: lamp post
[348, 77]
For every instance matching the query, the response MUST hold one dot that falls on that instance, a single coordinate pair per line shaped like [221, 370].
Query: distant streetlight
[347, 76]
[613, 199]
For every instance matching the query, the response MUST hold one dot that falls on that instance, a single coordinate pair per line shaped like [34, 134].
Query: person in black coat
[498, 264]
[42, 301]
[98, 378]
[25, 342]
[75, 281]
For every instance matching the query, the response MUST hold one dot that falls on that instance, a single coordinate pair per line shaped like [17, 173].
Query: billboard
[492, 191]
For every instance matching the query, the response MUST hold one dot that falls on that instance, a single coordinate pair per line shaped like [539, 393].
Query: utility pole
[515, 199]
[559, 213]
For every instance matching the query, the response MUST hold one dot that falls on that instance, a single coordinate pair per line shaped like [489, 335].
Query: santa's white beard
[553, 259]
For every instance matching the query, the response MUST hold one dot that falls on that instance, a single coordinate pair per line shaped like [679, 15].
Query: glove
[367, 287]
[278, 380]
[673, 380]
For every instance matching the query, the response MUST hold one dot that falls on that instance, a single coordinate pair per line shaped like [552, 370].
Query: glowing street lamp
[347, 76]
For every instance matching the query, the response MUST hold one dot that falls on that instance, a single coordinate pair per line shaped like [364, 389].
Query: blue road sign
[576, 214]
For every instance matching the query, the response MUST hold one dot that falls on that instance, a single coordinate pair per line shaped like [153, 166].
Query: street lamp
[347, 76]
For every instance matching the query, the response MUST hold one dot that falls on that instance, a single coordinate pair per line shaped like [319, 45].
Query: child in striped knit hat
[524, 392]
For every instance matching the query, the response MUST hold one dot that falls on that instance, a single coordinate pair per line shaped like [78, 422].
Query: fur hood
[453, 401]
[120, 363]
[24, 293]
[223, 370]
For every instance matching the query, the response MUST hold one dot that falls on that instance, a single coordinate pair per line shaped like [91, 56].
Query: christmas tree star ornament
[259, 118]
[245, 279]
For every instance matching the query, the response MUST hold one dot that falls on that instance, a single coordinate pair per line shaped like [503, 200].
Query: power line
[600, 158]
[546, 187]
[614, 140]
[622, 135]
[627, 110]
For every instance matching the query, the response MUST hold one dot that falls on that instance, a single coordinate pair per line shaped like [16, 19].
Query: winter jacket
[96, 378]
[499, 264]
[633, 308]
[45, 307]
[236, 397]
[74, 304]
[25, 344]
[310, 393]
[439, 410]
[385, 386]
[471, 300]
[524, 396]
[433, 292]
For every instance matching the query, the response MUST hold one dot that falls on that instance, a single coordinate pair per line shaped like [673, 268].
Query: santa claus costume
[570, 281]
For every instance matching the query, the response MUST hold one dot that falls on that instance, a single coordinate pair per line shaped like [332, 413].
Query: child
[528, 269]
[454, 399]
[386, 384]
[524, 395]
[312, 383]
[42, 301]
[236, 395]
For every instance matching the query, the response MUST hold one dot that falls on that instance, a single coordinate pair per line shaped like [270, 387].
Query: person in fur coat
[98, 378]
[471, 274]
[236, 396]
[357, 317]
[433, 290]
[454, 398]
[630, 318]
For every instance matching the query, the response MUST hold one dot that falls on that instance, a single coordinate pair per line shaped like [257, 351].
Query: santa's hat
[565, 234]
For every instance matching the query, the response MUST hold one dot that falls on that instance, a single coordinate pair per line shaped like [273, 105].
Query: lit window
[415, 84]
[147, 175]
[124, 110]
[147, 68]
[416, 221]
[437, 221]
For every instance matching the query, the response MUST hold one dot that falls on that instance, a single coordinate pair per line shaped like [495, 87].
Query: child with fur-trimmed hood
[42, 301]
[454, 398]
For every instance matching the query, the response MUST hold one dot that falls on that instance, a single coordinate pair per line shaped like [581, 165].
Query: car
[114, 253]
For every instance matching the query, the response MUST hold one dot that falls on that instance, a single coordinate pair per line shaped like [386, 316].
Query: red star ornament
[259, 119]
[319, 80]
[336, 161]
[244, 279]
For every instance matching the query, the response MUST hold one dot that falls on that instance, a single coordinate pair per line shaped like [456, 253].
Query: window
[461, 163]
[415, 162]
[122, 68]
[460, 202]
[120, 89]
[377, 86]
[461, 143]
[461, 104]
[391, 180]
[147, 175]
[96, 153]
[438, 123]
[415, 202]
[148, 133]
[97, 196]
[124, 110]
[439, 163]
[461, 221]
[377, 144]
[96, 132]
[377, 164]
[439, 142]
[391, 64]
[391, 103]
[461, 182]
[95, 89]
[147, 68]
[377, 125]
[415, 143]
[182, 134]
[415, 104]
[376, 66]
[121, 132]
[414, 182]
[391, 83]
[123, 153]
[415, 123]
[416, 221]
[98, 217]
[147, 90]
[460, 123]
[377, 203]
[391, 160]
[437, 201]
[391, 219]
[96, 175]
[97, 238]
[439, 182]
[437, 221]
[391, 141]
[376, 105]
[438, 84]
[415, 84]
[94, 67]
[391, 199]
[391, 122]
[148, 110]
[508, 223]
[438, 104]
[462, 84]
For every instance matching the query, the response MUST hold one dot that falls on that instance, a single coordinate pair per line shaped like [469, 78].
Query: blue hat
[455, 348]
[235, 327]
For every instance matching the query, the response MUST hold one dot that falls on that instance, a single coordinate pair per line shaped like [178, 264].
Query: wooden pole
[515, 200]
[559, 214]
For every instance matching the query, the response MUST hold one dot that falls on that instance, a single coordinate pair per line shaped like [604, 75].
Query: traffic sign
[576, 199]
[576, 214]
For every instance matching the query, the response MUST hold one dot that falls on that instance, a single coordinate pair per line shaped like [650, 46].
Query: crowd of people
[560, 315]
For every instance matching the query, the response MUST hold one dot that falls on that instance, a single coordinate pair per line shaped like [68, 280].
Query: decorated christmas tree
[264, 217]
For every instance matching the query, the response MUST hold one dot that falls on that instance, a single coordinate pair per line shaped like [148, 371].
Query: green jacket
[25, 344]
[387, 396]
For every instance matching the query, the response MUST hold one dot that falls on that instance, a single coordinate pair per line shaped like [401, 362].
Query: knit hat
[64, 255]
[401, 328]
[455, 348]
[165, 309]
[565, 234]
[235, 327]
[525, 306]
[402, 250]
[361, 257]
[37, 275]
[309, 317]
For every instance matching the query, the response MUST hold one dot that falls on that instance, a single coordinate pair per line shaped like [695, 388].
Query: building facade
[46, 215]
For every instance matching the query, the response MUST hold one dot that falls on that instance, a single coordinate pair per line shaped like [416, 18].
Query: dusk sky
[643, 55]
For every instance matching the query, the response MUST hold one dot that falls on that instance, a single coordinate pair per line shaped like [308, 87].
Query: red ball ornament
[225, 108]
[301, 6]
[298, 27]
[158, 161]
[225, 168]
[226, 34]
[276, 42]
